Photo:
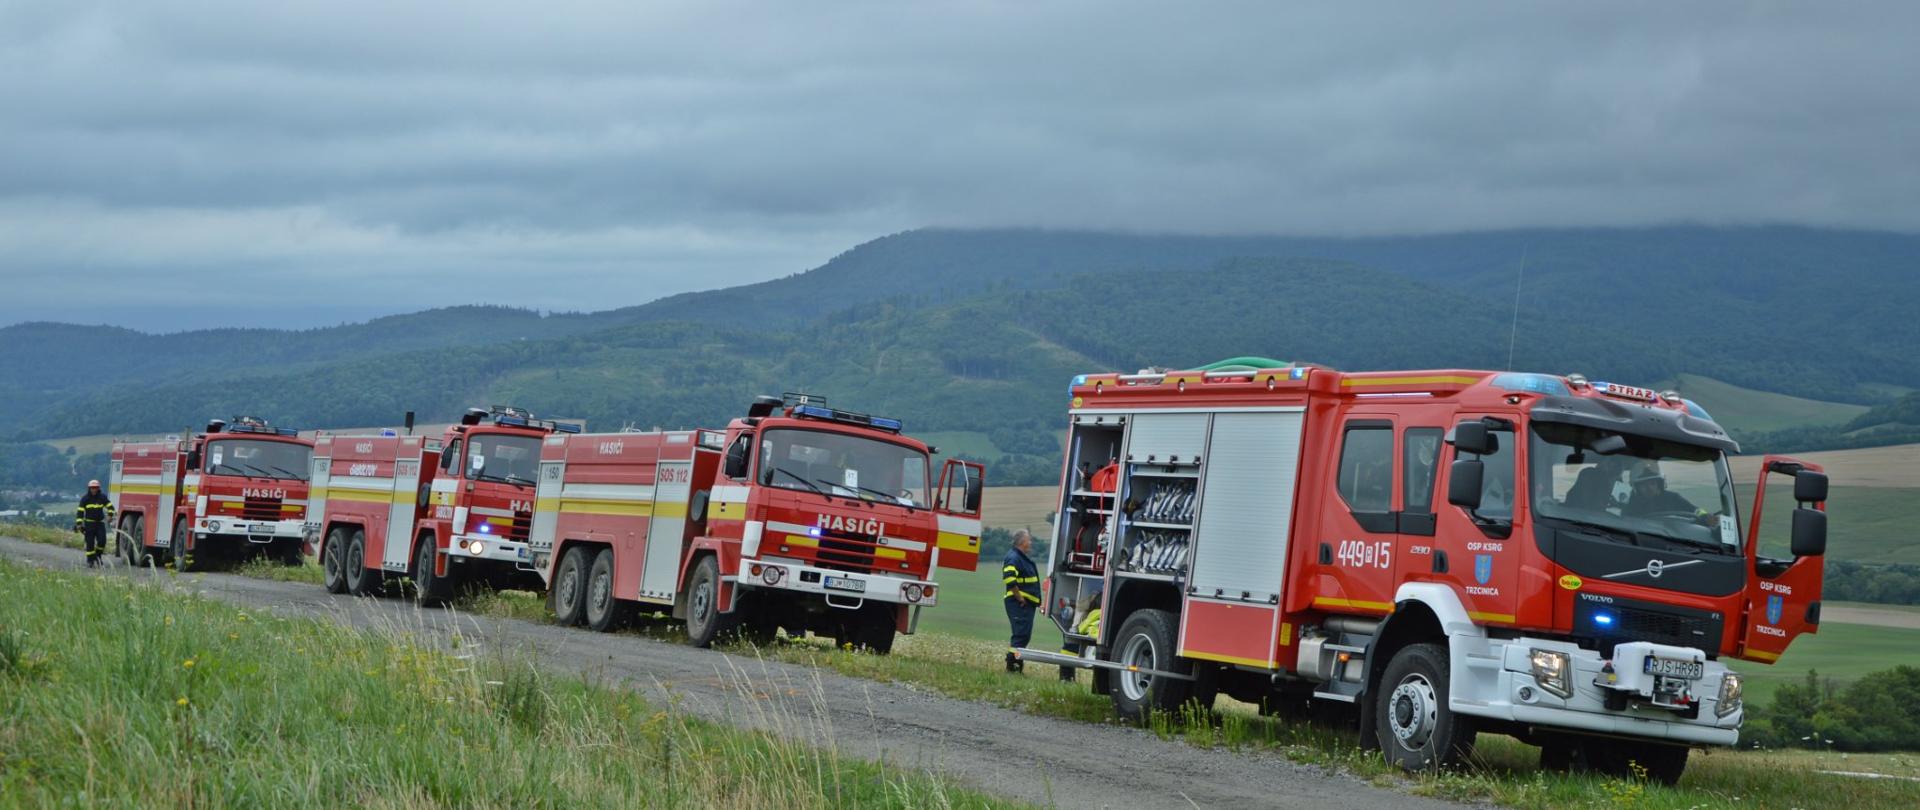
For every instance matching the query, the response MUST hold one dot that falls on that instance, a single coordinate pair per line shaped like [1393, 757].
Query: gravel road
[1036, 759]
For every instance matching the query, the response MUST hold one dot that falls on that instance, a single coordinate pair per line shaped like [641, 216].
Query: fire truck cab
[239, 489]
[444, 513]
[1447, 552]
[797, 516]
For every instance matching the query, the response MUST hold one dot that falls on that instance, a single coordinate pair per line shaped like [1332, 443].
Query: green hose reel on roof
[1248, 363]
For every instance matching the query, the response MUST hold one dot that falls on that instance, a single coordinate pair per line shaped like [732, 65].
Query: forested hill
[976, 332]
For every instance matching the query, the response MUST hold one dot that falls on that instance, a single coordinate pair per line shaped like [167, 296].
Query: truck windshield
[839, 464]
[1640, 486]
[260, 459]
[509, 459]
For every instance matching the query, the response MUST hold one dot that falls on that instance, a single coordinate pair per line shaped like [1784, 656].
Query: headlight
[1552, 670]
[1730, 701]
[912, 592]
[476, 547]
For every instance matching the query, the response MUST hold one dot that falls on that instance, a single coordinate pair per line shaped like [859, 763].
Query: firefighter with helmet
[1651, 496]
[1022, 579]
[91, 518]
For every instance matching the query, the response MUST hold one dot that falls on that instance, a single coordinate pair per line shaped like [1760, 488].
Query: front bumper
[256, 531]
[803, 578]
[490, 548]
[1493, 678]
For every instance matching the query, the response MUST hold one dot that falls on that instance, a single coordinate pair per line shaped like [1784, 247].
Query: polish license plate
[845, 584]
[1672, 668]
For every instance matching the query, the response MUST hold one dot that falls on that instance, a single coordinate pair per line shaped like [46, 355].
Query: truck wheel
[333, 555]
[1664, 763]
[876, 630]
[1417, 731]
[136, 539]
[570, 588]
[183, 558]
[359, 579]
[429, 589]
[704, 619]
[603, 611]
[1146, 641]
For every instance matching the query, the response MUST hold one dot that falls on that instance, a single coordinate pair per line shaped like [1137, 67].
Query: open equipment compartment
[1083, 532]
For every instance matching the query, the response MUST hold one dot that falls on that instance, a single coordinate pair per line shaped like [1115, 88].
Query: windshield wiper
[804, 482]
[887, 498]
[291, 475]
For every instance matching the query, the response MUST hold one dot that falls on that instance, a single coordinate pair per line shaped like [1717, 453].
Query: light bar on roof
[848, 417]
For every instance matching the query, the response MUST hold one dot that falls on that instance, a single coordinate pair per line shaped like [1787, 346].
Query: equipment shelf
[1146, 576]
[1144, 524]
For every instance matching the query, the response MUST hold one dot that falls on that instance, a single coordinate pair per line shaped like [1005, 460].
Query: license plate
[523, 553]
[260, 528]
[846, 584]
[1672, 668]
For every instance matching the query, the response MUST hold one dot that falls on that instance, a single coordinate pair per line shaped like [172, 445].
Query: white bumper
[257, 531]
[1494, 678]
[808, 579]
[490, 548]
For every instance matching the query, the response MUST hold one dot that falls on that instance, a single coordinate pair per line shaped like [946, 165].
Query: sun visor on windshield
[1656, 423]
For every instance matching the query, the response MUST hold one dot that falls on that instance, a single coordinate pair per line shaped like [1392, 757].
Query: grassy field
[1840, 651]
[1019, 507]
[118, 694]
[1746, 409]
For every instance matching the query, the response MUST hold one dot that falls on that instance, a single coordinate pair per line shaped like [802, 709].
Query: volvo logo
[1653, 569]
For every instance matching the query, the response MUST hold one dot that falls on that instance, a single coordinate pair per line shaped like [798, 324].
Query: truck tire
[603, 611]
[874, 629]
[183, 557]
[429, 589]
[1146, 640]
[1417, 732]
[360, 581]
[136, 539]
[570, 588]
[333, 566]
[705, 622]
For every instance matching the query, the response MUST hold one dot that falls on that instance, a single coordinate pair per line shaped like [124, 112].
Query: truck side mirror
[1809, 530]
[1809, 486]
[736, 466]
[973, 495]
[193, 460]
[1464, 480]
[1473, 437]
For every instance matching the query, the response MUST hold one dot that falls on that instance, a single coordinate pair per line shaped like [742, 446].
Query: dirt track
[1019, 756]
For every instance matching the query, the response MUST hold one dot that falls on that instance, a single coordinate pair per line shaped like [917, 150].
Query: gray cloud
[178, 157]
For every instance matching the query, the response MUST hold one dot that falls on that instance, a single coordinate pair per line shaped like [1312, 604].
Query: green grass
[119, 694]
[1840, 651]
[971, 607]
[1745, 409]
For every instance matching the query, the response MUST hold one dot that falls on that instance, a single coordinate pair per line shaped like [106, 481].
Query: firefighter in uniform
[91, 519]
[1023, 596]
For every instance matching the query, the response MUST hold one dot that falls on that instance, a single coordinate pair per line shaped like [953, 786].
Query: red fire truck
[1448, 552]
[443, 512]
[237, 490]
[798, 516]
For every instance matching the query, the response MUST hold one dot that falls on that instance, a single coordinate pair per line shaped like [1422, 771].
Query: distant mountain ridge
[977, 331]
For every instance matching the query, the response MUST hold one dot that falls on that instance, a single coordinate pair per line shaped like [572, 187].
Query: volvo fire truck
[797, 516]
[238, 489]
[444, 512]
[1447, 552]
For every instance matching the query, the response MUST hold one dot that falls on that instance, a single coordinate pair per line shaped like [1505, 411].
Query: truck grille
[261, 509]
[1633, 620]
[846, 552]
[522, 527]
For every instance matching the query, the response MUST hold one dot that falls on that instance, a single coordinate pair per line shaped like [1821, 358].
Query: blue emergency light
[848, 417]
[1603, 619]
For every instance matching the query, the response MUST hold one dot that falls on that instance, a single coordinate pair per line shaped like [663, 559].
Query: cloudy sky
[166, 165]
